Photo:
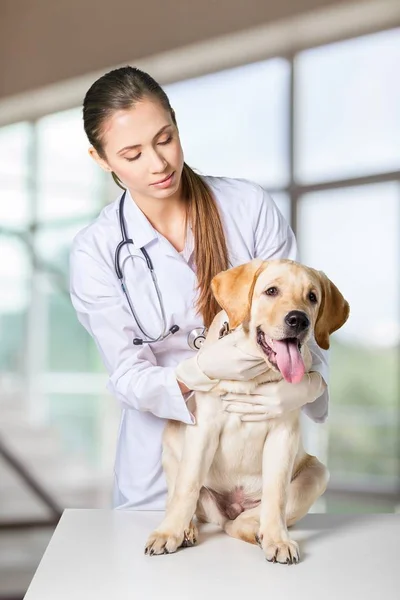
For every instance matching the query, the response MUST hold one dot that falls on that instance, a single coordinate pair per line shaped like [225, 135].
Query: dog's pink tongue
[289, 360]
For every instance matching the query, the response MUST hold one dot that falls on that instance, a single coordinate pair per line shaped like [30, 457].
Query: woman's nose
[157, 163]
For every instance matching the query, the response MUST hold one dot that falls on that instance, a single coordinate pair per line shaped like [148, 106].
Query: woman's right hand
[223, 359]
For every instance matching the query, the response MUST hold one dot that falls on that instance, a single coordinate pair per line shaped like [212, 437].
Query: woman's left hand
[271, 400]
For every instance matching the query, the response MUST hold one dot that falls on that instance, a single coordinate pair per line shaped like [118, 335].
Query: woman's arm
[134, 376]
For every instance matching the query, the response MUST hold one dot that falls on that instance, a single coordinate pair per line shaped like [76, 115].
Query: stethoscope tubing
[195, 337]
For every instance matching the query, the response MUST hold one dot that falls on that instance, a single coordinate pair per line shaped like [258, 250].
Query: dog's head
[281, 303]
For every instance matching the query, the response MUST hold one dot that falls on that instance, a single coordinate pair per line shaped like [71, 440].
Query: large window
[347, 109]
[353, 235]
[321, 132]
[49, 190]
[235, 122]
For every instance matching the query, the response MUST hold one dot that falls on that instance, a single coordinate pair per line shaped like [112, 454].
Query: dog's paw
[167, 542]
[190, 536]
[283, 552]
[162, 542]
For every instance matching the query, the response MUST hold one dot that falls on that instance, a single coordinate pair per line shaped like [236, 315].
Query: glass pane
[14, 299]
[353, 236]
[14, 151]
[234, 123]
[14, 273]
[68, 202]
[75, 416]
[69, 347]
[347, 111]
[63, 149]
[14, 205]
[53, 245]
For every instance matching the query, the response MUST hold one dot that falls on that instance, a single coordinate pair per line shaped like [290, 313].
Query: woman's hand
[271, 400]
[220, 360]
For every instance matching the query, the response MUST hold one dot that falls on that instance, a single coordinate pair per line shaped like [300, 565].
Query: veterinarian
[140, 279]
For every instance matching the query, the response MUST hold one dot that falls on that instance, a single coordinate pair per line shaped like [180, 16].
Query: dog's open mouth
[283, 354]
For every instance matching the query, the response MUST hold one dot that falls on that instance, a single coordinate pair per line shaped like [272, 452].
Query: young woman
[141, 273]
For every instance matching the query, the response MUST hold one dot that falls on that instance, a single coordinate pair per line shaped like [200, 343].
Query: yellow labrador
[254, 479]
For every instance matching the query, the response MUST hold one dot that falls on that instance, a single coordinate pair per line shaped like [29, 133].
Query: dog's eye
[312, 297]
[272, 291]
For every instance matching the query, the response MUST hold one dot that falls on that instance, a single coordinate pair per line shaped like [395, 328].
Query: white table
[98, 554]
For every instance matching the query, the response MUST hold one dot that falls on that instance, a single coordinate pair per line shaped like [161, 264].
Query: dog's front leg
[279, 453]
[200, 444]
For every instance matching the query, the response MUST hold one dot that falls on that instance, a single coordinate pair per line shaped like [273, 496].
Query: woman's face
[143, 148]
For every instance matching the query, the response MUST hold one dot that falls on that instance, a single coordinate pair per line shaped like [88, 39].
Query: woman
[188, 228]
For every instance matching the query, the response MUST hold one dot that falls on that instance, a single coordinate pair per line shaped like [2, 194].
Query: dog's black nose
[297, 321]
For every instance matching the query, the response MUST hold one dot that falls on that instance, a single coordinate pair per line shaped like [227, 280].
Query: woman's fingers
[243, 399]
[248, 412]
[261, 417]
[242, 407]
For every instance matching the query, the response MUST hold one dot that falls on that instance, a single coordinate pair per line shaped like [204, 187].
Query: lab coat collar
[138, 226]
[142, 232]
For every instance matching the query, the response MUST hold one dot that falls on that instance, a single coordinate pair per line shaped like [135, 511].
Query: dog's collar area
[225, 330]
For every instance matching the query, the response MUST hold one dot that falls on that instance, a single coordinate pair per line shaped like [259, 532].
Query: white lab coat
[142, 377]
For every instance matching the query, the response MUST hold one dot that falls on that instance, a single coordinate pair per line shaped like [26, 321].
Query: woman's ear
[100, 161]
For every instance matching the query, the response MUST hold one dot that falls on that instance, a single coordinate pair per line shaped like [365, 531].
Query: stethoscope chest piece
[196, 338]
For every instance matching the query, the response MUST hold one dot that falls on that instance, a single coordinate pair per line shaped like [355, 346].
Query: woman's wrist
[189, 374]
[184, 388]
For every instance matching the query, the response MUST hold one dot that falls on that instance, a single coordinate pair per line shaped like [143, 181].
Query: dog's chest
[238, 459]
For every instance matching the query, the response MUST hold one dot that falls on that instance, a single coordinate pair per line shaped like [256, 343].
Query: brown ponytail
[210, 251]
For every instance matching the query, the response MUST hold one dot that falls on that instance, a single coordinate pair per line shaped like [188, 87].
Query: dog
[253, 479]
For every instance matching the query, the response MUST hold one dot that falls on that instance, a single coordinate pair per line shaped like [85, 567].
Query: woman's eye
[272, 291]
[312, 297]
[134, 158]
[166, 141]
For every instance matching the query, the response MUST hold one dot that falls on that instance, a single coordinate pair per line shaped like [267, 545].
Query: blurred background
[300, 96]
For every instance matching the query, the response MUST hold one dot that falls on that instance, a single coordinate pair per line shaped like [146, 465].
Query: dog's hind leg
[307, 485]
[309, 482]
[245, 527]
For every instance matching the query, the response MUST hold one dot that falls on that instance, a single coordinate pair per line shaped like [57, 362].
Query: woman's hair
[121, 89]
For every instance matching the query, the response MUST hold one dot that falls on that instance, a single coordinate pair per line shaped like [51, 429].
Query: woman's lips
[165, 182]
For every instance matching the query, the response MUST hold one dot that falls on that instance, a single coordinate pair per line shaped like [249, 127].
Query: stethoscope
[195, 338]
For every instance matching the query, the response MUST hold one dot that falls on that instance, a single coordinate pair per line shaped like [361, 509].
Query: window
[346, 129]
[339, 186]
[234, 122]
[347, 107]
[361, 257]
[15, 206]
[14, 300]
[49, 190]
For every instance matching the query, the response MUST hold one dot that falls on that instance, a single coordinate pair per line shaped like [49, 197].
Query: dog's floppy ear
[333, 311]
[233, 290]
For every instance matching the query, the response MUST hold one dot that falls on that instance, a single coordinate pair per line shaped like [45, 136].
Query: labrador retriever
[254, 479]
